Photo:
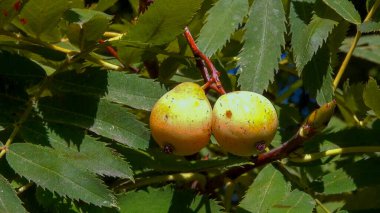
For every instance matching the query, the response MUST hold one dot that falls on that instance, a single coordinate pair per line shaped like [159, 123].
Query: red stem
[216, 84]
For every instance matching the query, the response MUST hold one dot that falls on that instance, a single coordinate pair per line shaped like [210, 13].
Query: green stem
[184, 177]
[353, 46]
[332, 152]
[322, 206]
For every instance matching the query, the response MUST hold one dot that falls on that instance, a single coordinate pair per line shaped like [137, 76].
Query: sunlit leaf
[345, 9]
[368, 48]
[267, 190]
[44, 167]
[162, 22]
[79, 148]
[264, 38]
[226, 13]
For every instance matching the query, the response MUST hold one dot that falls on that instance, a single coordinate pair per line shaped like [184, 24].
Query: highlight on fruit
[180, 121]
[244, 123]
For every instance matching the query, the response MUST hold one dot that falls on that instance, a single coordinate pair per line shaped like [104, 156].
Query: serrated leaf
[166, 199]
[296, 201]
[268, 189]
[335, 40]
[370, 26]
[79, 148]
[317, 77]
[337, 182]
[86, 26]
[225, 14]
[353, 99]
[368, 47]
[307, 39]
[44, 167]
[9, 201]
[155, 160]
[126, 89]
[99, 116]
[162, 22]
[264, 38]
[345, 9]
[38, 25]
[371, 96]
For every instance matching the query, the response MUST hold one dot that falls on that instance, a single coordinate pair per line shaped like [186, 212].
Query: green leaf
[335, 40]
[370, 26]
[267, 190]
[296, 201]
[99, 116]
[371, 96]
[46, 168]
[166, 199]
[163, 21]
[226, 14]
[368, 47]
[317, 77]
[38, 25]
[264, 38]
[309, 38]
[8, 10]
[86, 26]
[353, 99]
[345, 9]
[337, 182]
[9, 201]
[79, 148]
[103, 5]
[126, 89]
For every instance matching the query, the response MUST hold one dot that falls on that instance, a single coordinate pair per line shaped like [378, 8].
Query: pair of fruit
[183, 120]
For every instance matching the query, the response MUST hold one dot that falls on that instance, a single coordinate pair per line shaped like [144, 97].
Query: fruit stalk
[203, 60]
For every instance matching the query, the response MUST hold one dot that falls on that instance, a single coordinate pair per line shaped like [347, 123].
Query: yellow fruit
[180, 120]
[244, 122]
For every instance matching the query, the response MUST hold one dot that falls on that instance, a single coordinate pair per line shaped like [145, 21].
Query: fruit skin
[242, 120]
[182, 119]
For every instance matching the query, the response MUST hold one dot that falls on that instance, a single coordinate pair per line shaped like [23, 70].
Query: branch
[202, 61]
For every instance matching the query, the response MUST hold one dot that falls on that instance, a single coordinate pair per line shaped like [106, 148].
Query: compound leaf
[296, 201]
[99, 116]
[309, 38]
[46, 168]
[222, 20]
[166, 199]
[264, 38]
[345, 9]
[163, 21]
[317, 77]
[371, 95]
[79, 148]
[37, 25]
[268, 189]
[9, 201]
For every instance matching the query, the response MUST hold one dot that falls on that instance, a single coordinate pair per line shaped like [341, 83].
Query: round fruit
[244, 123]
[180, 120]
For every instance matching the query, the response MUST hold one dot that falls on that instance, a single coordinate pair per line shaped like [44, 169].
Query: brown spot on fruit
[228, 113]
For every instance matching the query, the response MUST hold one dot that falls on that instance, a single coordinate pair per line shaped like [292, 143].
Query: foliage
[78, 81]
